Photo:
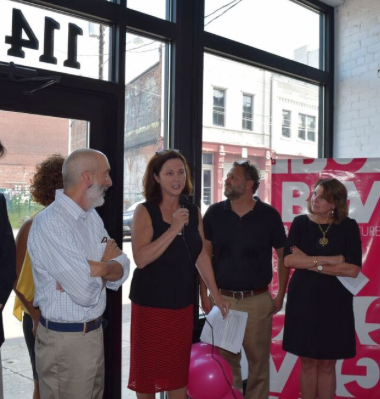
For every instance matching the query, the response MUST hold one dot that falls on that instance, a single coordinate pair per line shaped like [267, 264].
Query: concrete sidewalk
[17, 371]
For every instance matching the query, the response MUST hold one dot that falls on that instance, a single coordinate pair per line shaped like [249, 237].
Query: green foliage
[20, 208]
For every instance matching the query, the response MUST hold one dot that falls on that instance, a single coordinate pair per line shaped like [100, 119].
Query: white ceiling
[333, 3]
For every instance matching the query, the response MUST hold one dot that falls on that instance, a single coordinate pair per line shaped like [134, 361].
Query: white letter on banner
[289, 201]
[279, 379]
[362, 213]
[367, 381]
[303, 166]
[361, 306]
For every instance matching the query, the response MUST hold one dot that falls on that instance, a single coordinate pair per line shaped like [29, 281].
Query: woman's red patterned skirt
[160, 348]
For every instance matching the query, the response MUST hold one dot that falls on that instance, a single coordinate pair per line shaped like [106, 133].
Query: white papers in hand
[228, 333]
[354, 284]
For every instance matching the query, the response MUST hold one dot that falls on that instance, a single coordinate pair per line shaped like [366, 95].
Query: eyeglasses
[164, 151]
[243, 162]
[250, 169]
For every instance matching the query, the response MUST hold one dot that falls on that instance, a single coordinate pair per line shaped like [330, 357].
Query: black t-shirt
[243, 246]
[168, 282]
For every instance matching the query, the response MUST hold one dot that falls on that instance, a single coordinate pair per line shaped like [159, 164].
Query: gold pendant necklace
[324, 241]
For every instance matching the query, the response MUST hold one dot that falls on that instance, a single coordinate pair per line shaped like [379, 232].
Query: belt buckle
[239, 293]
[90, 326]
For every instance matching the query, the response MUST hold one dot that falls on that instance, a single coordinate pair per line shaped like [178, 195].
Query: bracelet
[315, 261]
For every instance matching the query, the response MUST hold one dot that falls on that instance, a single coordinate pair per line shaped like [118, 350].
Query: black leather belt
[72, 327]
[243, 294]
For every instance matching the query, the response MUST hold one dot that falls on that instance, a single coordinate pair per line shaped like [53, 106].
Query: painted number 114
[20, 25]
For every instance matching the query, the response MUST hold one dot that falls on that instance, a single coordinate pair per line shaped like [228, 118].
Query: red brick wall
[29, 139]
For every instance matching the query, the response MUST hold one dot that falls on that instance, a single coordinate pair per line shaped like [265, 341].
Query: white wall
[357, 79]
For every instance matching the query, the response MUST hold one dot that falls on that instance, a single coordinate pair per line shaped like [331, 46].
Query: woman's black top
[319, 318]
[168, 282]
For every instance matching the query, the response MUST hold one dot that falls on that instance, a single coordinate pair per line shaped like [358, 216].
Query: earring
[332, 213]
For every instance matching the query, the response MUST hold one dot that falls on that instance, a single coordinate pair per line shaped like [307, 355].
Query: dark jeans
[27, 326]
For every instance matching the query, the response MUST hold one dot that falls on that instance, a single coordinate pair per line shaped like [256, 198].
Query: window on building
[207, 186]
[306, 127]
[219, 107]
[207, 170]
[207, 159]
[247, 112]
[286, 123]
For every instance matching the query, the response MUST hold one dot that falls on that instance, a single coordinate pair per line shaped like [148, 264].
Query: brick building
[29, 139]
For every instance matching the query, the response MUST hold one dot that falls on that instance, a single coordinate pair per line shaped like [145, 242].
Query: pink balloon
[201, 348]
[210, 377]
[235, 395]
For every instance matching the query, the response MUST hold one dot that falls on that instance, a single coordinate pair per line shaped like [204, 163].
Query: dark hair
[47, 179]
[335, 193]
[152, 190]
[3, 150]
[251, 172]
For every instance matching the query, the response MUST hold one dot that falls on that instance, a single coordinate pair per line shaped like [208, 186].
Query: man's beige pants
[70, 365]
[256, 344]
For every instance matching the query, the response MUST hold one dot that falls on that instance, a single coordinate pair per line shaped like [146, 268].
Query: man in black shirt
[241, 233]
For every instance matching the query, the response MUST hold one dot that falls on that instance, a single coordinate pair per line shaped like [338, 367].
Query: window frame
[244, 118]
[286, 126]
[219, 111]
[304, 127]
[185, 32]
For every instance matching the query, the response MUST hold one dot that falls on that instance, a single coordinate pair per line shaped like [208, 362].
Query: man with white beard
[73, 261]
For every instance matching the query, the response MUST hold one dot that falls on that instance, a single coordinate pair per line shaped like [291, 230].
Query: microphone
[183, 201]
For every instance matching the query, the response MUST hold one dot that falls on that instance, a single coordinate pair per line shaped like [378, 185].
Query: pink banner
[292, 182]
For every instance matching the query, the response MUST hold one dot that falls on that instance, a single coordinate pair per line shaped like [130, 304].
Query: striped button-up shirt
[63, 237]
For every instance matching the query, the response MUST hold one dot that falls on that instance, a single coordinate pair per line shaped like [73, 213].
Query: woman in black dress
[319, 318]
[167, 242]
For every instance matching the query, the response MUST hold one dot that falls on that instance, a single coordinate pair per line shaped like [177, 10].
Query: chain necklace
[324, 241]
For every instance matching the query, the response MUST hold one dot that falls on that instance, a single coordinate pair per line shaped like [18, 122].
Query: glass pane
[53, 41]
[310, 128]
[207, 159]
[286, 123]
[145, 132]
[207, 187]
[218, 108]
[281, 27]
[277, 105]
[156, 8]
[247, 112]
[29, 140]
[301, 126]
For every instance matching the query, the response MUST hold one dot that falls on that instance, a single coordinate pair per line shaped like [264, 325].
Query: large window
[218, 96]
[255, 22]
[42, 38]
[156, 8]
[228, 142]
[29, 141]
[145, 110]
[219, 109]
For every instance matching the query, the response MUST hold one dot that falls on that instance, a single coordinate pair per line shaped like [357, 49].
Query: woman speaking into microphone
[167, 242]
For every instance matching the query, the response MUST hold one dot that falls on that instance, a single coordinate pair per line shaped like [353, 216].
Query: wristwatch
[320, 269]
